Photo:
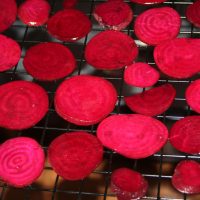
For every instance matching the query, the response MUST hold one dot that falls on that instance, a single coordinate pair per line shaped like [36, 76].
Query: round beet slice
[115, 15]
[69, 25]
[21, 161]
[141, 75]
[69, 3]
[111, 50]
[85, 100]
[186, 177]
[148, 1]
[175, 64]
[49, 61]
[75, 155]
[157, 25]
[22, 105]
[132, 135]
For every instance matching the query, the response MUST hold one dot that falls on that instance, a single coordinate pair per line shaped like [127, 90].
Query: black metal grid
[158, 168]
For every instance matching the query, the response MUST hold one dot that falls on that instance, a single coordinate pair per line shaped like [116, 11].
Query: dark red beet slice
[185, 135]
[22, 105]
[75, 155]
[175, 64]
[141, 75]
[69, 25]
[85, 99]
[21, 161]
[132, 135]
[111, 50]
[148, 1]
[69, 3]
[49, 61]
[186, 177]
[152, 102]
[157, 25]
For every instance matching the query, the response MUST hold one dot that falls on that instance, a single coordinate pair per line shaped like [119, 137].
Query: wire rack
[157, 169]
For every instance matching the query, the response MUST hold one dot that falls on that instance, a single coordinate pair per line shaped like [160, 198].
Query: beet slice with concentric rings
[111, 50]
[186, 177]
[75, 155]
[21, 161]
[69, 25]
[157, 25]
[85, 100]
[23, 104]
[69, 3]
[49, 61]
[175, 64]
[132, 135]
[148, 1]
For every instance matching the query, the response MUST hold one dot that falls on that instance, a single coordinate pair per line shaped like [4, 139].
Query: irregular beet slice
[111, 50]
[175, 64]
[152, 102]
[49, 61]
[132, 135]
[141, 75]
[157, 25]
[69, 25]
[186, 177]
[22, 105]
[185, 135]
[148, 1]
[85, 100]
[75, 155]
[69, 3]
[21, 161]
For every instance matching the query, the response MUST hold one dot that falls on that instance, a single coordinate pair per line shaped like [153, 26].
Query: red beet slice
[49, 61]
[148, 1]
[69, 25]
[141, 75]
[186, 177]
[10, 53]
[157, 25]
[128, 184]
[85, 100]
[185, 135]
[69, 3]
[152, 102]
[175, 64]
[22, 105]
[21, 161]
[132, 135]
[111, 50]
[75, 155]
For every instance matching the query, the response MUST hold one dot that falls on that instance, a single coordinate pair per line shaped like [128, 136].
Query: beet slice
[185, 135]
[148, 1]
[49, 61]
[157, 25]
[111, 50]
[186, 177]
[69, 25]
[22, 105]
[75, 155]
[132, 135]
[141, 75]
[175, 64]
[69, 3]
[152, 102]
[21, 161]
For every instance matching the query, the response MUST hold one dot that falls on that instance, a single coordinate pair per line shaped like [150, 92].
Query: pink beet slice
[185, 135]
[75, 155]
[141, 75]
[85, 100]
[152, 102]
[49, 61]
[111, 50]
[21, 161]
[22, 105]
[10, 53]
[115, 15]
[186, 177]
[148, 1]
[132, 135]
[69, 25]
[175, 64]
[69, 3]
[128, 184]
[157, 25]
